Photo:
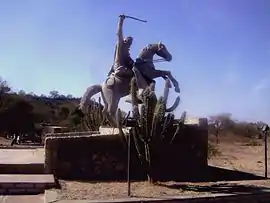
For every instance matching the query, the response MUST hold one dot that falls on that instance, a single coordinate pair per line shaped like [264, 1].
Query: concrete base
[25, 184]
[22, 198]
[21, 161]
[22, 172]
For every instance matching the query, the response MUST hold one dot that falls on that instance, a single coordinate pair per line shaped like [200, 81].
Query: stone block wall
[104, 156]
[94, 156]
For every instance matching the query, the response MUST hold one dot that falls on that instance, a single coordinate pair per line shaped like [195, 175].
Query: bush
[213, 151]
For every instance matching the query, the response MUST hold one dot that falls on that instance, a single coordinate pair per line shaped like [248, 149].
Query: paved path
[22, 199]
[21, 156]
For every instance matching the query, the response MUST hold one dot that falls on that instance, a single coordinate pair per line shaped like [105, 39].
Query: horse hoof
[177, 89]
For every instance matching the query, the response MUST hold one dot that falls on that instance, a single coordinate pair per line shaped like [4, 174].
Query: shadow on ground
[206, 174]
[213, 174]
[225, 188]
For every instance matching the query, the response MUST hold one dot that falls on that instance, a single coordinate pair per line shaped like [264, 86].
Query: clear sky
[221, 49]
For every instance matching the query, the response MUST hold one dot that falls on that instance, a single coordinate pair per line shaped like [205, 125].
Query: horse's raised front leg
[174, 81]
[165, 75]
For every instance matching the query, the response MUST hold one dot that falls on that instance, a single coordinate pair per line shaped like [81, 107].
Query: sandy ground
[240, 155]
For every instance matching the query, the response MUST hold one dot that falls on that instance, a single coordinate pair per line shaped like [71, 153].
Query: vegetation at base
[154, 126]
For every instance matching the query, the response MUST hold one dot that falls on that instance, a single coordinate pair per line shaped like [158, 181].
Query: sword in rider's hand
[144, 21]
[133, 18]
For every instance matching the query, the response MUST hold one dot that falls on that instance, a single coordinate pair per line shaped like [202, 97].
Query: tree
[69, 96]
[17, 117]
[4, 88]
[63, 113]
[54, 94]
[22, 93]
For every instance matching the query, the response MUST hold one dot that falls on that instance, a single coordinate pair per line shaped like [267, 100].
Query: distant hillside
[20, 111]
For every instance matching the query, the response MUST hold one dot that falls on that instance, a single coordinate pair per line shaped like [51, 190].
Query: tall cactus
[94, 117]
[154, 125]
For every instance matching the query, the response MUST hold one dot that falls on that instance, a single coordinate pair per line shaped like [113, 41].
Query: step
[21, 168]
[21, 161]
[11, 184]
[22, 198]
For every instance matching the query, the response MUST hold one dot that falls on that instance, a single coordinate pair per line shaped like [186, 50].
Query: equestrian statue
[117, 84]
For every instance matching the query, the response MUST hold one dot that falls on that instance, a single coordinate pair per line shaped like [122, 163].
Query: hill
[21, 112]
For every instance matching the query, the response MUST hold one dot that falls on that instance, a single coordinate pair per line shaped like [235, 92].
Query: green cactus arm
[166, 91]
[180, 126]
[168, 122]
[174, 106]
[135, 108]
[143, 121]
[151, 105]
[158, 118]
[138, 145]
[120, 127]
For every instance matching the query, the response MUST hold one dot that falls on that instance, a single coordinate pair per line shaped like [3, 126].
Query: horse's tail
[91, 91]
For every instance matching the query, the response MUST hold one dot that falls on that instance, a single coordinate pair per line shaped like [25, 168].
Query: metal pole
[128, 166]
[265, 156]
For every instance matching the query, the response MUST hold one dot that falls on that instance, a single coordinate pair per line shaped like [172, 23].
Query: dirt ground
[234, 153]
[241, 155]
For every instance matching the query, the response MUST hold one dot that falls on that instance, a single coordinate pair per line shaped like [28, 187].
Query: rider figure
[123, 63]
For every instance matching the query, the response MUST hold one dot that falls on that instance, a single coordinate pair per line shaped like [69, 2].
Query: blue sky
[220, 49]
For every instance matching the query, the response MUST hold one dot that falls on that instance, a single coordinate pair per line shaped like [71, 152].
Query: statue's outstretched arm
[120, 28]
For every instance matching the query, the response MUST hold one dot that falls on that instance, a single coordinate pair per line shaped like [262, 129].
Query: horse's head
[163, 52]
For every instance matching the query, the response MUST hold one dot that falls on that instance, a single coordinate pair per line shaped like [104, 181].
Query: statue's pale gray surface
[117, 85]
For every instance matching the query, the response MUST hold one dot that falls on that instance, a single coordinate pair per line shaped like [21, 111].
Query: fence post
[265, 130]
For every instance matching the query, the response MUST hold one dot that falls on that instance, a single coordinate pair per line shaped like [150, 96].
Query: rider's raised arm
[120, 28]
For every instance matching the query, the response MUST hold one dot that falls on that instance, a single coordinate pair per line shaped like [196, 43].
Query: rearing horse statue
[114, 88]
